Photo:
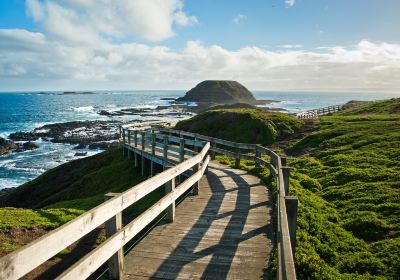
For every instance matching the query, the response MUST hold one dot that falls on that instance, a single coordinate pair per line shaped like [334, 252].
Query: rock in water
[6, 146]
[223, 92]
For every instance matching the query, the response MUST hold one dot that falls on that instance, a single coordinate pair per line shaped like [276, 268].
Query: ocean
[24, 111]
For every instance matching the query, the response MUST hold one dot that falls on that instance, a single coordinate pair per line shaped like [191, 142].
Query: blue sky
[165, 44]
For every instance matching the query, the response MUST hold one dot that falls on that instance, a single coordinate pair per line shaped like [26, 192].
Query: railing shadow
[221, 254]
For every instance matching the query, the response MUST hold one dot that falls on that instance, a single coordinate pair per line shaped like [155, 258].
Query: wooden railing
[315, 113]
[27, 258]
[187, 153]
[287, 206]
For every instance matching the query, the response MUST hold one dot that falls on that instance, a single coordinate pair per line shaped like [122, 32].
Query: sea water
[24, 111]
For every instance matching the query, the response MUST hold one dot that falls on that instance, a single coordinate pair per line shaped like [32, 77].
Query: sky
[175, 44]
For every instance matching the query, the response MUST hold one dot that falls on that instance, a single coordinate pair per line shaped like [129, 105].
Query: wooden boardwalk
[225, 232]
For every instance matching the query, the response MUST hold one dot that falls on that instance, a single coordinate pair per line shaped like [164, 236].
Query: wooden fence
[287, 206]
[181, 154]
[27, 258]
[315, 113]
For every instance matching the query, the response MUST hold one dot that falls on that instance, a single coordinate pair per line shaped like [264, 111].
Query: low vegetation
[65, 192]
[347, 179]
[242, 125]
[346, 173]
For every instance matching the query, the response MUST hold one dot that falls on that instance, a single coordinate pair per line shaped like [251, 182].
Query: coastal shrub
[242, 125]
[355, 159]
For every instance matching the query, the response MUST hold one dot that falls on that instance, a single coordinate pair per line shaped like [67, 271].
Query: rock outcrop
[219, 92]
[6, 146]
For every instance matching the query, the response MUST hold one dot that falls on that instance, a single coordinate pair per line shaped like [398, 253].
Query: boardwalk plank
[225, 232]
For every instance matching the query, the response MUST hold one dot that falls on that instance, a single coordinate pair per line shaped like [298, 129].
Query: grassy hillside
[242, 125]
[63, 193]
[346, 173]
[391, 106]
[79, 184]
[348, 182]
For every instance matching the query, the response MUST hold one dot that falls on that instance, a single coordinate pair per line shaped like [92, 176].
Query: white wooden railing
[27, 258]
[287, 206]
[169, 148]
[315, 113]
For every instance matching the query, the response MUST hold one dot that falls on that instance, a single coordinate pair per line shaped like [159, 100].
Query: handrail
[315, 113]
[286, 205]
[20, 262]
[30, 256]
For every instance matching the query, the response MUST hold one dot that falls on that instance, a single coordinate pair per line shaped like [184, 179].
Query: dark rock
[29, 146]
[79, 147]
[23, 136]
[80, 154]
[7, 146]
[219, 92]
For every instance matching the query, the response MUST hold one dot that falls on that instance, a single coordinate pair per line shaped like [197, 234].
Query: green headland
[345, 172]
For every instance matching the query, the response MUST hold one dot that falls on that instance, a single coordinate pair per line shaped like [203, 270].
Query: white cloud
[290, 3]
[239, 18]
[87, 20]
[32, 60]
[294, 46]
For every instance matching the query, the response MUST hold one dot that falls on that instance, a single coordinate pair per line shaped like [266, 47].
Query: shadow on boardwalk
[220, 259]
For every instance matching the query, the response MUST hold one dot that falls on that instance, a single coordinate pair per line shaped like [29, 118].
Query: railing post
[129, 136]
[196, 185]
[258, 156]
[237, 157]
[123, 141]
[195, 148]
[116, 262]
[212, 153]
[153, 144]
[283, 161]
[292, 205]
[286, 178]
[135, 137]
[165, 151]
[182, 150]
[136, 158]
[142, 163]
[169, 187]
[143, 139]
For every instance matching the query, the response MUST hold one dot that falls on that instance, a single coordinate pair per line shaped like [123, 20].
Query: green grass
[65, 192]
[390, 106]
[346, 174]
[28, 218]
[347, 179]
[79, 184]
[242, 125]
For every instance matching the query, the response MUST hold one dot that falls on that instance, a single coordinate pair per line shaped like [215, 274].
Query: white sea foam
[83, 109]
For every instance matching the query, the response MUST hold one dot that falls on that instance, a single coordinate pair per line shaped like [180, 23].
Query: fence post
[153, 144]
[195, 148]
[116, 262]
[142, 163]
[169, 187]
[258, 156]
[237, 156]
[182, 150]
[136, 159]
[165, 151]
[212, 153]
[286, 178]
[143, 139]
[283, 161]
[196, 185]
[135, 135]
[292, 205]
[123, 141]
